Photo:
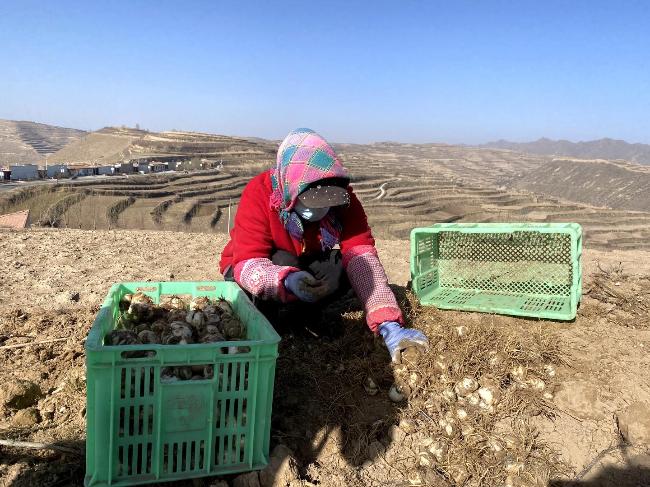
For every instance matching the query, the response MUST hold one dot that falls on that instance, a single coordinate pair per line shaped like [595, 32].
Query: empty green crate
[141, 430]
[524, 269]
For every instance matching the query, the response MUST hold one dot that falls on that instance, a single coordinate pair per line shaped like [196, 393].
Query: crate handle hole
[138, 354]
[234, 350]
[206, 288]
[149, 289]
[182, 373]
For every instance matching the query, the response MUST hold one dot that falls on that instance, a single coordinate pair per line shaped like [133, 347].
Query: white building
[24, 171]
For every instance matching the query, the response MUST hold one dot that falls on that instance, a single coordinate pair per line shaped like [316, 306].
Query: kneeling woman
[288, 223]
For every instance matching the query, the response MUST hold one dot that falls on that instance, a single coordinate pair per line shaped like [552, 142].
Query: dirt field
[54, 280]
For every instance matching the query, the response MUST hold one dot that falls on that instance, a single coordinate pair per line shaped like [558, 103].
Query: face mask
[309, 214]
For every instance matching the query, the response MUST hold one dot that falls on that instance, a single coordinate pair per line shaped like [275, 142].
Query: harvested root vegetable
[439, 449]
[233, 328]
[211, 318]
[199, 303]
[121, 337]
[519, 373]
[459, 474]
[176, 322]
[160, 327]
[195, 318]
[461, 330]
[448, 425]
[139, 312]
[395, 394]
[473, 399]
[219, 324]
[224, 307]
[466, 386]
[370, 387]
[449, 395]
[489, 394]
[442, 363]
[461, 414]
[537, 384]
[411, 355]
[425, 459]
[176, 315]
[141, 298]
[550, 370]
[148, 336]
[215, 336]
[180, 333]
[172, 302]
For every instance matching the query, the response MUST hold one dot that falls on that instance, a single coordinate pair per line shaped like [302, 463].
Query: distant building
[143, 167]
[157, 166]
[57, 171]
[24, 172]
[5, 174]
[124, 167]
[108, 170]
[83, 171]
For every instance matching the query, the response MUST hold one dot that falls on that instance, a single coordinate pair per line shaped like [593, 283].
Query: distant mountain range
[593, 149]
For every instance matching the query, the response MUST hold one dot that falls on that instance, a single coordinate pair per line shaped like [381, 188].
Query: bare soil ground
[54, 280]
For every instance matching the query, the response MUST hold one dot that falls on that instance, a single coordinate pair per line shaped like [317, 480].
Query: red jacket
[258, 231]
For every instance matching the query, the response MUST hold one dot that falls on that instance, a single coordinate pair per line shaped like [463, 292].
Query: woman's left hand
[328, 271]
[398, 339]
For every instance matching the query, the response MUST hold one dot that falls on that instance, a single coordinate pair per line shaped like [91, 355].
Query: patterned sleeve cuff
[264, 279]
[369, 281]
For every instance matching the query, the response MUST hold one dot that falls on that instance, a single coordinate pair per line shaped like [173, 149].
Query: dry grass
[625, 298]
[482, 449]
[54, 216]
[113, 211]
[483, 444]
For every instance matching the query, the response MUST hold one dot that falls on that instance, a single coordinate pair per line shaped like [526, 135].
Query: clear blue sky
[454, 71]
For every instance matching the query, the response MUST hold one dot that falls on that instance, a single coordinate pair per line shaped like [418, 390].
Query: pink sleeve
[369, 281]
[263, 279]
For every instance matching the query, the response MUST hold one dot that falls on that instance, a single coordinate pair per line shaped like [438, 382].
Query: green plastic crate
[521, 269]
[141, 430]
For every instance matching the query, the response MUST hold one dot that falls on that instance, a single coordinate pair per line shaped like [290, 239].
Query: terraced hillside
[29, 142]
[111, 145]
[614, 184]
[406, 186]
[401, 186]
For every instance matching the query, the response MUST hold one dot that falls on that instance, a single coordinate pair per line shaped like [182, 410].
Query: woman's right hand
[305, 286]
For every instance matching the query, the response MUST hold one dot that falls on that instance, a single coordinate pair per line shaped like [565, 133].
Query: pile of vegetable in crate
[176, 320]
[180, 383]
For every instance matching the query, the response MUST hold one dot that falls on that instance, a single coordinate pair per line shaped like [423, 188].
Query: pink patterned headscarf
[304, 157]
